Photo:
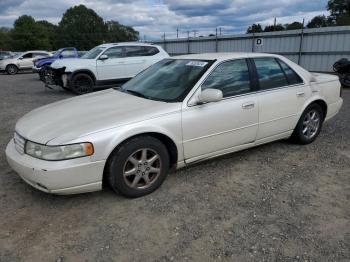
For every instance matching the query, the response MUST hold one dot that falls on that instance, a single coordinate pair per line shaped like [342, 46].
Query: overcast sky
[153, 17]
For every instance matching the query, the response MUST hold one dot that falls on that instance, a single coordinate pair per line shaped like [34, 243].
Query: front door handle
[248, 105]
[301, 94]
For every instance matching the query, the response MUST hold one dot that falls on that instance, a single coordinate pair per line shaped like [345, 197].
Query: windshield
[169, 80]
[93, 53]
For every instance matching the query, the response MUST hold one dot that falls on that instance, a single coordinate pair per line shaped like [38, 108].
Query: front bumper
[58, 177]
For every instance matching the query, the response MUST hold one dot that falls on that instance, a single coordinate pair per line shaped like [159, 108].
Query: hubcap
[142, 168]
[311, 124]
[12, 70]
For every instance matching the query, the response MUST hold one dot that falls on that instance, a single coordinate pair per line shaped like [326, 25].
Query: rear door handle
[301, 94]
[248, 105]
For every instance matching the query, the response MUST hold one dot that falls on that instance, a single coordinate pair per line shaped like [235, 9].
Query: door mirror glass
[20, 58]
[103, 57]
[210, 95]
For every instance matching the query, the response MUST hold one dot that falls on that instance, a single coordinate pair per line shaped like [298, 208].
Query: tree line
[79, 27]
[339, 16]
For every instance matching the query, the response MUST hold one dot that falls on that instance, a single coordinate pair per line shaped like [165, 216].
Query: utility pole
[216, 40]
[220, 30]
[301, 42]
[177, 32]
[188, 42]
[274, 24]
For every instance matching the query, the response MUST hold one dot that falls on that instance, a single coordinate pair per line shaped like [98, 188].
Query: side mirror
[210, 95]
[103, 57]
[60, 56]
[21, 58]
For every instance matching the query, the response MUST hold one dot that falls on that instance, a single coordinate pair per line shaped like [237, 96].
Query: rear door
[281, 96]
[216, 128]
[137, 58]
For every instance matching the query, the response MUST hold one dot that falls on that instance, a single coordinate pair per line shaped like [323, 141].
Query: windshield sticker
[197, 63]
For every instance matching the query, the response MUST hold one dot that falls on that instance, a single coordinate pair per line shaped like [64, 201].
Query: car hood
[72, 64]
[72, 118]
[44, 60]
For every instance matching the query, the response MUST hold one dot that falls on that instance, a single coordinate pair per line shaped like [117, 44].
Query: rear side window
[231, 77]
[270, 74]
[132, 51]
[28, 55]
[40, 54]
[292, 77]
[68, 53]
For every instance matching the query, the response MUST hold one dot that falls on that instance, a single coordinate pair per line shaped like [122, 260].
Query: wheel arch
[84, 71]
[165, 139]
[321, 102]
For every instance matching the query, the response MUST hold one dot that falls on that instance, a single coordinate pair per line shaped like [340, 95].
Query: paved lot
[278, 202]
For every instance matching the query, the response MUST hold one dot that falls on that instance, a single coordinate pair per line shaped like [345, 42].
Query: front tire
[12, 69]
[309, 125]
[82, 84]
[138, 167]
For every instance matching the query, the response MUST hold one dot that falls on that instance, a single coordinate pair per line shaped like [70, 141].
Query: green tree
[81, 27]
[23, 34]
[47, 33]
[120, 33]
[271, 28]
[4, 39]
[339, 11]
[255, 28]
[318, 21]
[294, 26]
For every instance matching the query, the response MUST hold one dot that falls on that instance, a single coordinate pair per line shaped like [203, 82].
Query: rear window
[132, 51]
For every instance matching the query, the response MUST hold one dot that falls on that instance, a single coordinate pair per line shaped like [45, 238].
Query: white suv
[104, 66]
[21, 61]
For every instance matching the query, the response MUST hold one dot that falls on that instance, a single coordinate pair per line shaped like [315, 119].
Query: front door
[214, 128]
[114, 66]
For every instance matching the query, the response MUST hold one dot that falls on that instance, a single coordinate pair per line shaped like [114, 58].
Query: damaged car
[104, 66]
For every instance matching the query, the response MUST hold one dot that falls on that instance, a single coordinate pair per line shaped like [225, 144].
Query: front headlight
[63, 152]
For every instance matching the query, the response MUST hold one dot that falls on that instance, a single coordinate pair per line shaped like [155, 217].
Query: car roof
[126, 43]
[224, 56]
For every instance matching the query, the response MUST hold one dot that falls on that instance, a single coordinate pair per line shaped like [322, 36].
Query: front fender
[106, 141]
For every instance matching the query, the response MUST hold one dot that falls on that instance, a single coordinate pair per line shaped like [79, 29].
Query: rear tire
[82, 84]
[11, 69]
[138, 167]
[309, 125]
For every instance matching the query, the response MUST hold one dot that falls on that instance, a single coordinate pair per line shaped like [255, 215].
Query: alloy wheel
[142, 168]
[311, 124]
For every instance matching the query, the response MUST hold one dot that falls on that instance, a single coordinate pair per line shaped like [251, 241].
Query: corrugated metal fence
[314, 49]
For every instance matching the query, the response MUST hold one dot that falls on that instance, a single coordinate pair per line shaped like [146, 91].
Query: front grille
[19, 143]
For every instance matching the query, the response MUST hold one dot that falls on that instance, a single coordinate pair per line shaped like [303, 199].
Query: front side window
[292, 77]
[270, 74]
[231, 77]
[114, 52]
[169, 80]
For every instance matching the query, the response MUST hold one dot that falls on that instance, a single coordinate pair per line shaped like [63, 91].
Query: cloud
[154, 17]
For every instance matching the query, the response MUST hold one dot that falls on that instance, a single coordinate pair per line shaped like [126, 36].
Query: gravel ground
[277, 202]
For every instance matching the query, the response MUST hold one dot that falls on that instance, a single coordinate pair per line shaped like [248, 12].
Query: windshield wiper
[136, 93]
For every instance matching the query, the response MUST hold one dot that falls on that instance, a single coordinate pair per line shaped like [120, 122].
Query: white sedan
[179, 111]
